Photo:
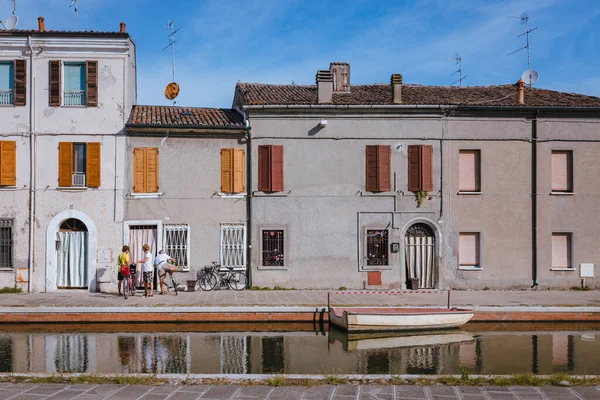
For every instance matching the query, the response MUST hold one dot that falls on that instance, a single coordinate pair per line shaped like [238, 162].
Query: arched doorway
[420, 256]
[72, 254]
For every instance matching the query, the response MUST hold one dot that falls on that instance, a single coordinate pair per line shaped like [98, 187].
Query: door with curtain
[419, 250]
[140, 235]
[72, 255]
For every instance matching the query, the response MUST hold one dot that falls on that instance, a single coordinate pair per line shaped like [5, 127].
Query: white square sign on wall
[586, 270]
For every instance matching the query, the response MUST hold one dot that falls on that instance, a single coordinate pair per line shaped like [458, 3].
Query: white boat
[376, 319]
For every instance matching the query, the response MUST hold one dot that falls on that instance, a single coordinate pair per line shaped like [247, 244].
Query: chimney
[122, 30]
[341, 76]
[324, 86]
[521, 92]
[41, 27]
[396, 82]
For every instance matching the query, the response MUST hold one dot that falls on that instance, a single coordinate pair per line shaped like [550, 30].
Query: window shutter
[277, 168]
[93, 164]
[139, 170]
[383, 168]
[264, 168]
[561, 250]
[55, 83]
[561, 171]
[427, 168]
[151, 170]
[65, 164]
[468, 170]
[226, 170]
[20, 82]
[91, 81]
[8, 163]
[372, 184]
[468, 249]
[238, 171]
[414, 165]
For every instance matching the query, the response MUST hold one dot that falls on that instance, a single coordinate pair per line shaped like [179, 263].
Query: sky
[221, 42]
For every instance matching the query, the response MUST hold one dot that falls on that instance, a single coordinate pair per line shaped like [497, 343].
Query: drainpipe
[248, 203]
[32, 143]
[534, 137]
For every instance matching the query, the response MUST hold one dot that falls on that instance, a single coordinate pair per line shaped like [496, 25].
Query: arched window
[72, 225]
[419, 230]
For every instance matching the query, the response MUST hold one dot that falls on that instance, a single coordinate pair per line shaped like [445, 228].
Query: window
[6, 243]
[176, 242]
[378, 168]
[270, 168]
[79, 164]
[469, 166]
[273, 248]
[8, 163]
[145, 170]
[232, 171]
[468, 250]
[561, 250]
[233, 245]
[377, 247]
[7, 83]
[73, 83]
[562, 171]
[420, 168]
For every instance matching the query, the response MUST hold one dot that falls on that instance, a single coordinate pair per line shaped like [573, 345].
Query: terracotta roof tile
[22, 32]
[500, 95]
[185, 117]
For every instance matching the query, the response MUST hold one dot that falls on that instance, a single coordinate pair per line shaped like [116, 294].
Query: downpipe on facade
[248, 201]
[32, 181]
[534, 137]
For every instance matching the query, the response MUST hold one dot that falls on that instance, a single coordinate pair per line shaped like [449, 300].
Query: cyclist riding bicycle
[163, 267]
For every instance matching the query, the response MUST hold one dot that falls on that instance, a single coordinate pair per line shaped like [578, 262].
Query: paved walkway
[316, 298]
[25, 391]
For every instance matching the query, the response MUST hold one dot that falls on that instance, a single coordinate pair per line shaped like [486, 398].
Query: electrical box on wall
[395, 247]
[586, 270]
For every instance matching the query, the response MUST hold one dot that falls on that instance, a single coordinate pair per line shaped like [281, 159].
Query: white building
[64, 100]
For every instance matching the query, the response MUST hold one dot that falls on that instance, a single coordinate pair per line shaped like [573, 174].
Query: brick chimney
[396, 82]
[341, 76]
[41, 27]
[521, 92]
[324, 86]
[122, 29]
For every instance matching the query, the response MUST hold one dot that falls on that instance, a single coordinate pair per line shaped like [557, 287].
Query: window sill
[232, 195]
[470, 193]
[468, 268]
[562, 193]
[7, 269]
[146, 195]
[562, 269]
[7, 105]
[81, 106]
[8, 187]
[375, 268]
[272, 267]
[74, 188]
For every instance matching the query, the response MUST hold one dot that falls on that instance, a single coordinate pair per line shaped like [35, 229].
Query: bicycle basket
[132, 268]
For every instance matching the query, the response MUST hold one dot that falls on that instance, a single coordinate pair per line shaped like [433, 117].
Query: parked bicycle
[128, 275]
[211, 277]
[174, 283]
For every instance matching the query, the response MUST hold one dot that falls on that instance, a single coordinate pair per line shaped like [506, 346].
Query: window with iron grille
[273, 248]
[377, 247]
[6, 243]
[233, 245]
[176, 242]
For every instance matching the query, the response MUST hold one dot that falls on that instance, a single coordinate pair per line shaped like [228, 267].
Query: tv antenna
[458, 60]
[172, 89]
[12, 21]
[75, 5]
[525, 21]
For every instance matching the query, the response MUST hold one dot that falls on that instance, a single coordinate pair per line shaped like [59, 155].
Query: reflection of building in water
[6, 349]
[161, 354]
[70, 353]
[233, 354]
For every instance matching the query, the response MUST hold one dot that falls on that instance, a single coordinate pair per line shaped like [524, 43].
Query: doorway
[140, 235]
[419, 252]
[71, 255]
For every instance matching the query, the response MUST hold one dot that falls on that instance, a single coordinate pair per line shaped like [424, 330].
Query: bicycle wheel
[125, 284]
[238, 281]
[174, 284]
[207, 281]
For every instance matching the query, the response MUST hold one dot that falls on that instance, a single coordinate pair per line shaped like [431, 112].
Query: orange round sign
[172, 90]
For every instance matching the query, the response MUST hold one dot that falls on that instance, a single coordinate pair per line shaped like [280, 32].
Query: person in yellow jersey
[123, 262]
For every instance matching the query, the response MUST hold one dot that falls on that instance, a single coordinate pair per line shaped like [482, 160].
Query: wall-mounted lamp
[57, 245]
[323, 123]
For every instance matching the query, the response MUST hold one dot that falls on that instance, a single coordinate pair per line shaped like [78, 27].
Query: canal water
[298, 349]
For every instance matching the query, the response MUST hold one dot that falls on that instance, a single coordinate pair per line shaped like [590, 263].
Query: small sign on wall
[104, 256]
[586, 270]
[395, 247]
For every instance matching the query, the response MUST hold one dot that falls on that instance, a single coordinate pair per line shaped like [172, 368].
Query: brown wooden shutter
[152, 170]
[238, 171]
[427, 168]
[414, 166]
[372, 184]
[91, 81]
[8, 163]
[277, 168]
[226, 170]
[139, 170]
[93, 164]
[20, 82]
[383, 168]
[65, 164]
[264, 168]
[55, 83]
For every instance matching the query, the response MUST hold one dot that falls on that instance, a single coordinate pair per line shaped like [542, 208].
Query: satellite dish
[530, 76]
[171, 91]
[11, 22]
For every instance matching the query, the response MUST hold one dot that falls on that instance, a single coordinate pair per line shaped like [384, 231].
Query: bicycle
[208, 280]
[174, 283]
[128, 280]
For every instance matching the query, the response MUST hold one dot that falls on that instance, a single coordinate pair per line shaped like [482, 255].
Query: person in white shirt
[147, 269]
[163, 267]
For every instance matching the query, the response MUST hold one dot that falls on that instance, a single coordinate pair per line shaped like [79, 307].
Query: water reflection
[481, 352]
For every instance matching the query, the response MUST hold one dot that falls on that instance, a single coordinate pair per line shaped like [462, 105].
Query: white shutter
[560, 171]
[468, 252]
[561, 250]
[468, 166]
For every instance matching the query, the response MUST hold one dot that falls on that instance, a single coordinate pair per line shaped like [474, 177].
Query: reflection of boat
[352, 342]
[372, 319]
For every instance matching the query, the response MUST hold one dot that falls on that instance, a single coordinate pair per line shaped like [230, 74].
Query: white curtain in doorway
[419, 254]
[72, 260]
[137, 238]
